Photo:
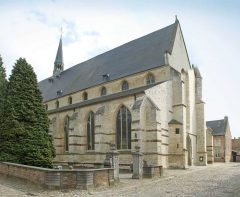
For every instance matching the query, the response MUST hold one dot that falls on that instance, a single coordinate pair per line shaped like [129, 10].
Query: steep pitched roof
[136, 56]
[218, 126]
[173, 121]
[59, 55]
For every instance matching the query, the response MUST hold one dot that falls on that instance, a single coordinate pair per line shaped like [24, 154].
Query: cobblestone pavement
[214, 180]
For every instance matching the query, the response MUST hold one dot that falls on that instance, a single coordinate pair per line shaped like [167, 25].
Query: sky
[211, 29]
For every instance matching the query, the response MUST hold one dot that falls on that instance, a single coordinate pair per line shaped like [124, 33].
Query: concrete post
[112, 161]
[137, 163]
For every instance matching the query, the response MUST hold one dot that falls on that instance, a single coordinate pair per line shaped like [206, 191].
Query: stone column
[137, 163]
[112, 161]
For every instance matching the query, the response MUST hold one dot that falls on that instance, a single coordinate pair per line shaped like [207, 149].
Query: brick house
[222, 139]
[236, 150]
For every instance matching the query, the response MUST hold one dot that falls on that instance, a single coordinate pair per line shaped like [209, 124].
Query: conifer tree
[25, 128]
[3, 88]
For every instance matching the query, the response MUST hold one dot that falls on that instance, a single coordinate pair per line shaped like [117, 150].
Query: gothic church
[143, 93]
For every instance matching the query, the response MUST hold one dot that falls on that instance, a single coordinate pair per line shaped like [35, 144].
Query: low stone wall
[59, 179]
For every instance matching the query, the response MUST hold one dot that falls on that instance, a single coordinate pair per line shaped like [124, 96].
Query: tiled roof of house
[218, 126]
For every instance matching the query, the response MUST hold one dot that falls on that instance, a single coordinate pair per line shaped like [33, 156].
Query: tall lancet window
[123, 124]
[150, 79]
[90, 132]
[103, 91]
[85, 96]
[125, 86]
[66, 134]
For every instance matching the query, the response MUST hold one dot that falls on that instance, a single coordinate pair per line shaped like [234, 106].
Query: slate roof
[139, 55]
[218, 126]
[173, 121]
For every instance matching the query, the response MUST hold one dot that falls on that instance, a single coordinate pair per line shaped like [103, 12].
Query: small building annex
[222, 139]
[143, 93]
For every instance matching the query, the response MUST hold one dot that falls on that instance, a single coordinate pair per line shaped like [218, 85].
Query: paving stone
[214, 180]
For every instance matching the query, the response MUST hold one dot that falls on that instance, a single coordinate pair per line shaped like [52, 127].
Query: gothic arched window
[123, 124]
[57, 104]
[66, 134]
[150, 79]
[90, 132]
[85, 96]
[103, 91]
[125, 86]
[69, 100]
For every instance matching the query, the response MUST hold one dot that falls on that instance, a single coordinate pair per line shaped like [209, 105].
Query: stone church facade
[144, 93]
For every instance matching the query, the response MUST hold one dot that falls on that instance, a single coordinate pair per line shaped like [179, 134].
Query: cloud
[32, 30]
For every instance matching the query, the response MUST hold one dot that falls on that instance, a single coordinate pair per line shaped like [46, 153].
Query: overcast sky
[211, 30]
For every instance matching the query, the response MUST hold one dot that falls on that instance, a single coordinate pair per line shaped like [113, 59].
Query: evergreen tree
[3, 88]
[25, 128]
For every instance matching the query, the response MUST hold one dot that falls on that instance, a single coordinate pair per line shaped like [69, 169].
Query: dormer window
[50, 80]
[125, 86]
[59, 92]
[150, 79]
[106, 77]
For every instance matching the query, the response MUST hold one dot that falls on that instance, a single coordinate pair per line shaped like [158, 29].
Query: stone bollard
[112, 161]
[137, 163]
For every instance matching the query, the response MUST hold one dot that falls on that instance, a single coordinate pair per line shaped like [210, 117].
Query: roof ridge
[215, 120]
[108, 51]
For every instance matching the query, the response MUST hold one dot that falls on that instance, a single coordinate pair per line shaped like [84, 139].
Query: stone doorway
[234, 156]
[189, 149]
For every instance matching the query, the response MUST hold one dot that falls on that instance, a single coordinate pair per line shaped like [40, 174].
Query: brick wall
[222, 148]
[59, 179]
[236, 147]
[219, 148]
[236, 144]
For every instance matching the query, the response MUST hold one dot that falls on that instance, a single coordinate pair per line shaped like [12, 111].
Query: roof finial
[61, 31]
[176, 19]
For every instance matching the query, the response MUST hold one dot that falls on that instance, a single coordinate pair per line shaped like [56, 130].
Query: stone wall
[228, 142]
[219, 148]
[134, 81]
[209, 146]
[151, 111]
[223, 145]
[105, 120]
[179, 57]
[236, 147]
[59, 179]
[236, 144]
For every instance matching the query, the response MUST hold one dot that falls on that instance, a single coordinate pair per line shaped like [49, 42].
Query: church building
[143, 93]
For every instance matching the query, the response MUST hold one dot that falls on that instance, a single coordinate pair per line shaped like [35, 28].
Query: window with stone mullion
[123, 129]
[66, 131]
[90, 132]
